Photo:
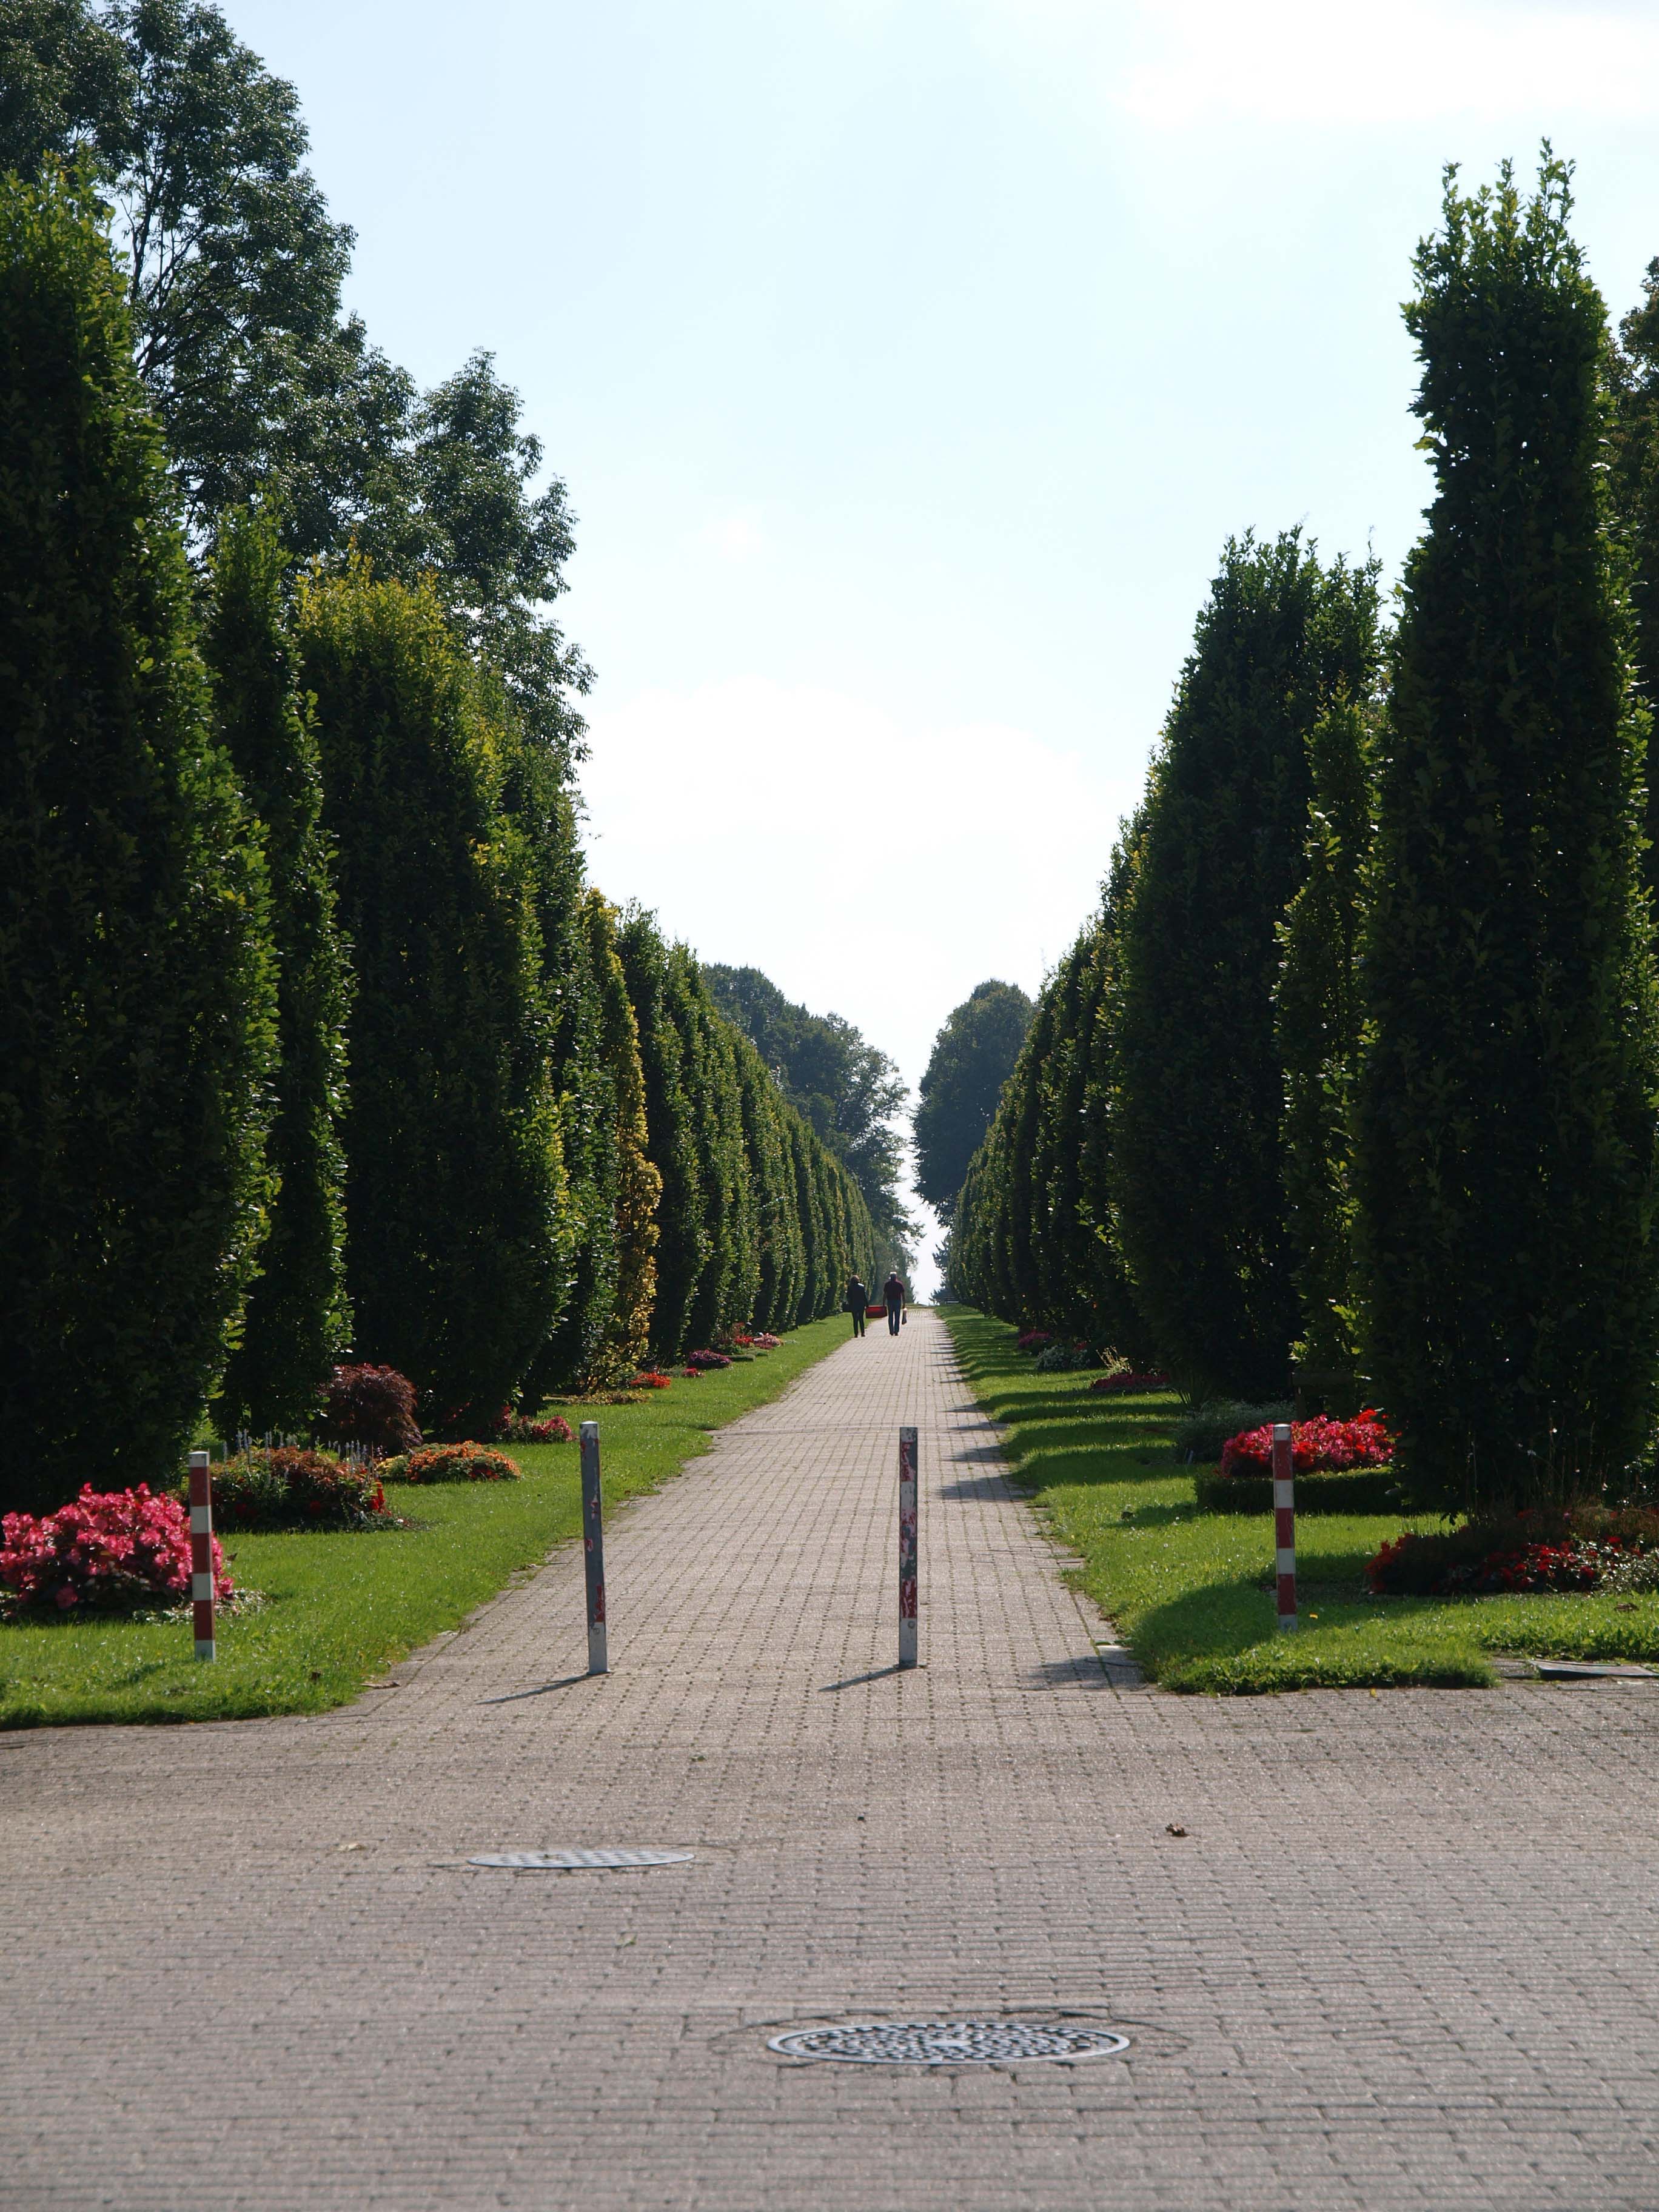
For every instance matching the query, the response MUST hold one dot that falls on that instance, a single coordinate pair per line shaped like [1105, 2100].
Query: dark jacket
[857, 1297]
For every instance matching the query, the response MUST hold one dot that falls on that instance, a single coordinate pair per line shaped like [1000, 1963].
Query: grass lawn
[1191, 1593]
[342, 1606]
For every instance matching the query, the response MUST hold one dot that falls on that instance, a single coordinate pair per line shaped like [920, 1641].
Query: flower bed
[763, 1340]
[105, 1552]
[1320, 1446]
[651, 1380]
[554, 1430]
[289, 1487]
[1534, 1551]
[465, 1462]
[706, 1358]
[1127, 1379]
[1032, 1339]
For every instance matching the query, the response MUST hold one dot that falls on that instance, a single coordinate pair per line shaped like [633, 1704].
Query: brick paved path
[1404, 1956]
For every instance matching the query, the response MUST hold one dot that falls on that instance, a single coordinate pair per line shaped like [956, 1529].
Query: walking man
[892, 1292]
[858, 1301]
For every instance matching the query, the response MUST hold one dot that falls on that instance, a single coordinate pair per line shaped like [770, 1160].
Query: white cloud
[871, 866]
[1177, 62]
[732, 537]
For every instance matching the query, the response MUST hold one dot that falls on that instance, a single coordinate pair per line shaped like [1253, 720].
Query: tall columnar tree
[636, 1185]
[1634, 481]
[1506, 1159]
[973, 1057]
[138, 1013]
[1120, 1320]
[1317, 1007]
[458, 1234]
[296, 1319]
[1196, 1149]
[683, 1245]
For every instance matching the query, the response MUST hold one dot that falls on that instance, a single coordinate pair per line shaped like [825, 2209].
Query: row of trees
[1357, 1065]
[312, 1034]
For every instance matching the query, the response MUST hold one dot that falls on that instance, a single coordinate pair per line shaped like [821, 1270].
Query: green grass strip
[1191, 1593]
[342, 1606]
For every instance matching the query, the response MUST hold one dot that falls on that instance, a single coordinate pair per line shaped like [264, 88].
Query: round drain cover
[950, 2042]
[573, 1862]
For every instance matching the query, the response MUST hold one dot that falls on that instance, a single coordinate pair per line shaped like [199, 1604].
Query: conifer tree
[1317, 1011]
[296, 1319]
[636, 1184]
[1505, 1162]
[458, 1229]
[137, 1012]
[682, 1251]
[1196, 1153]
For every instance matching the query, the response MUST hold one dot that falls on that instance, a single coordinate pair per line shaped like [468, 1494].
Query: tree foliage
[458, 1228]
[137, 996]
[1196, 1150]
[972, 1058]
[1317, 1011]
[1508, 1092]
[296, 1319]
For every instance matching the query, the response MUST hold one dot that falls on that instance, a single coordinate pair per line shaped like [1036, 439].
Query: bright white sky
[908, 361]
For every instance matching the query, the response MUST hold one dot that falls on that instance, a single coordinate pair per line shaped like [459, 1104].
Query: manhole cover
[574, 1861]
[950, 2042]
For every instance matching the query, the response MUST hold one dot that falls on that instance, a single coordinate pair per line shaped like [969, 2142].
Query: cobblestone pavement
[1402, 1957]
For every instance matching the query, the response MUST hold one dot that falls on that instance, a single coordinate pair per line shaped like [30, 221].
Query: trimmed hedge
[1360, 1490]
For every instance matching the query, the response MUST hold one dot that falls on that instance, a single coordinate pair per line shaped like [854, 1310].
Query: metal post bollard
[907, 1532]
[598, 1661]
[1284, 1523]
[201, 1554]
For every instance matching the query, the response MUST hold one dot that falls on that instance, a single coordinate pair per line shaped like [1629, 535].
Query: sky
[908, 363]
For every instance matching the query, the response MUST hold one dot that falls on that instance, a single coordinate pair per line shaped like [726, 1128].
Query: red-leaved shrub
[119, 1547]
[371, 1406]
[1319, 1446]
[465, 1462]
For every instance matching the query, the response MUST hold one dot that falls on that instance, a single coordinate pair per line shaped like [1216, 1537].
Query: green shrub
[1200, 1433]
[1356, 1490]
[137, 1003]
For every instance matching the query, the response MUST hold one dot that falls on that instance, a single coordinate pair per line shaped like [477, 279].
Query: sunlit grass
[340, 1606]
[1193, 1592]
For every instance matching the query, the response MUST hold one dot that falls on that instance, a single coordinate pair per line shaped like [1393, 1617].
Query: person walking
[858, 1301]
[892, 1292]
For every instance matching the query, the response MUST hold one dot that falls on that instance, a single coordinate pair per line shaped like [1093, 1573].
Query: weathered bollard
[1285, 1522]
[906, 1559]
[598, 1661]
[201, 1553]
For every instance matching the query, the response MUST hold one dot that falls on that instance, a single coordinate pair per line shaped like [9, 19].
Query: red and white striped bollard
[201, 1554]
[907, 1532]
[598, 1653]
[1285, 1522]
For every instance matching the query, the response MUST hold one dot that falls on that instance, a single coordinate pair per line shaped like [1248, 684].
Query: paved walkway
[1403, 1957]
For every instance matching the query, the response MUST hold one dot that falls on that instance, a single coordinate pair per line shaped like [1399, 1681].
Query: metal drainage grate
[576, 1862]
[949, 2042]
